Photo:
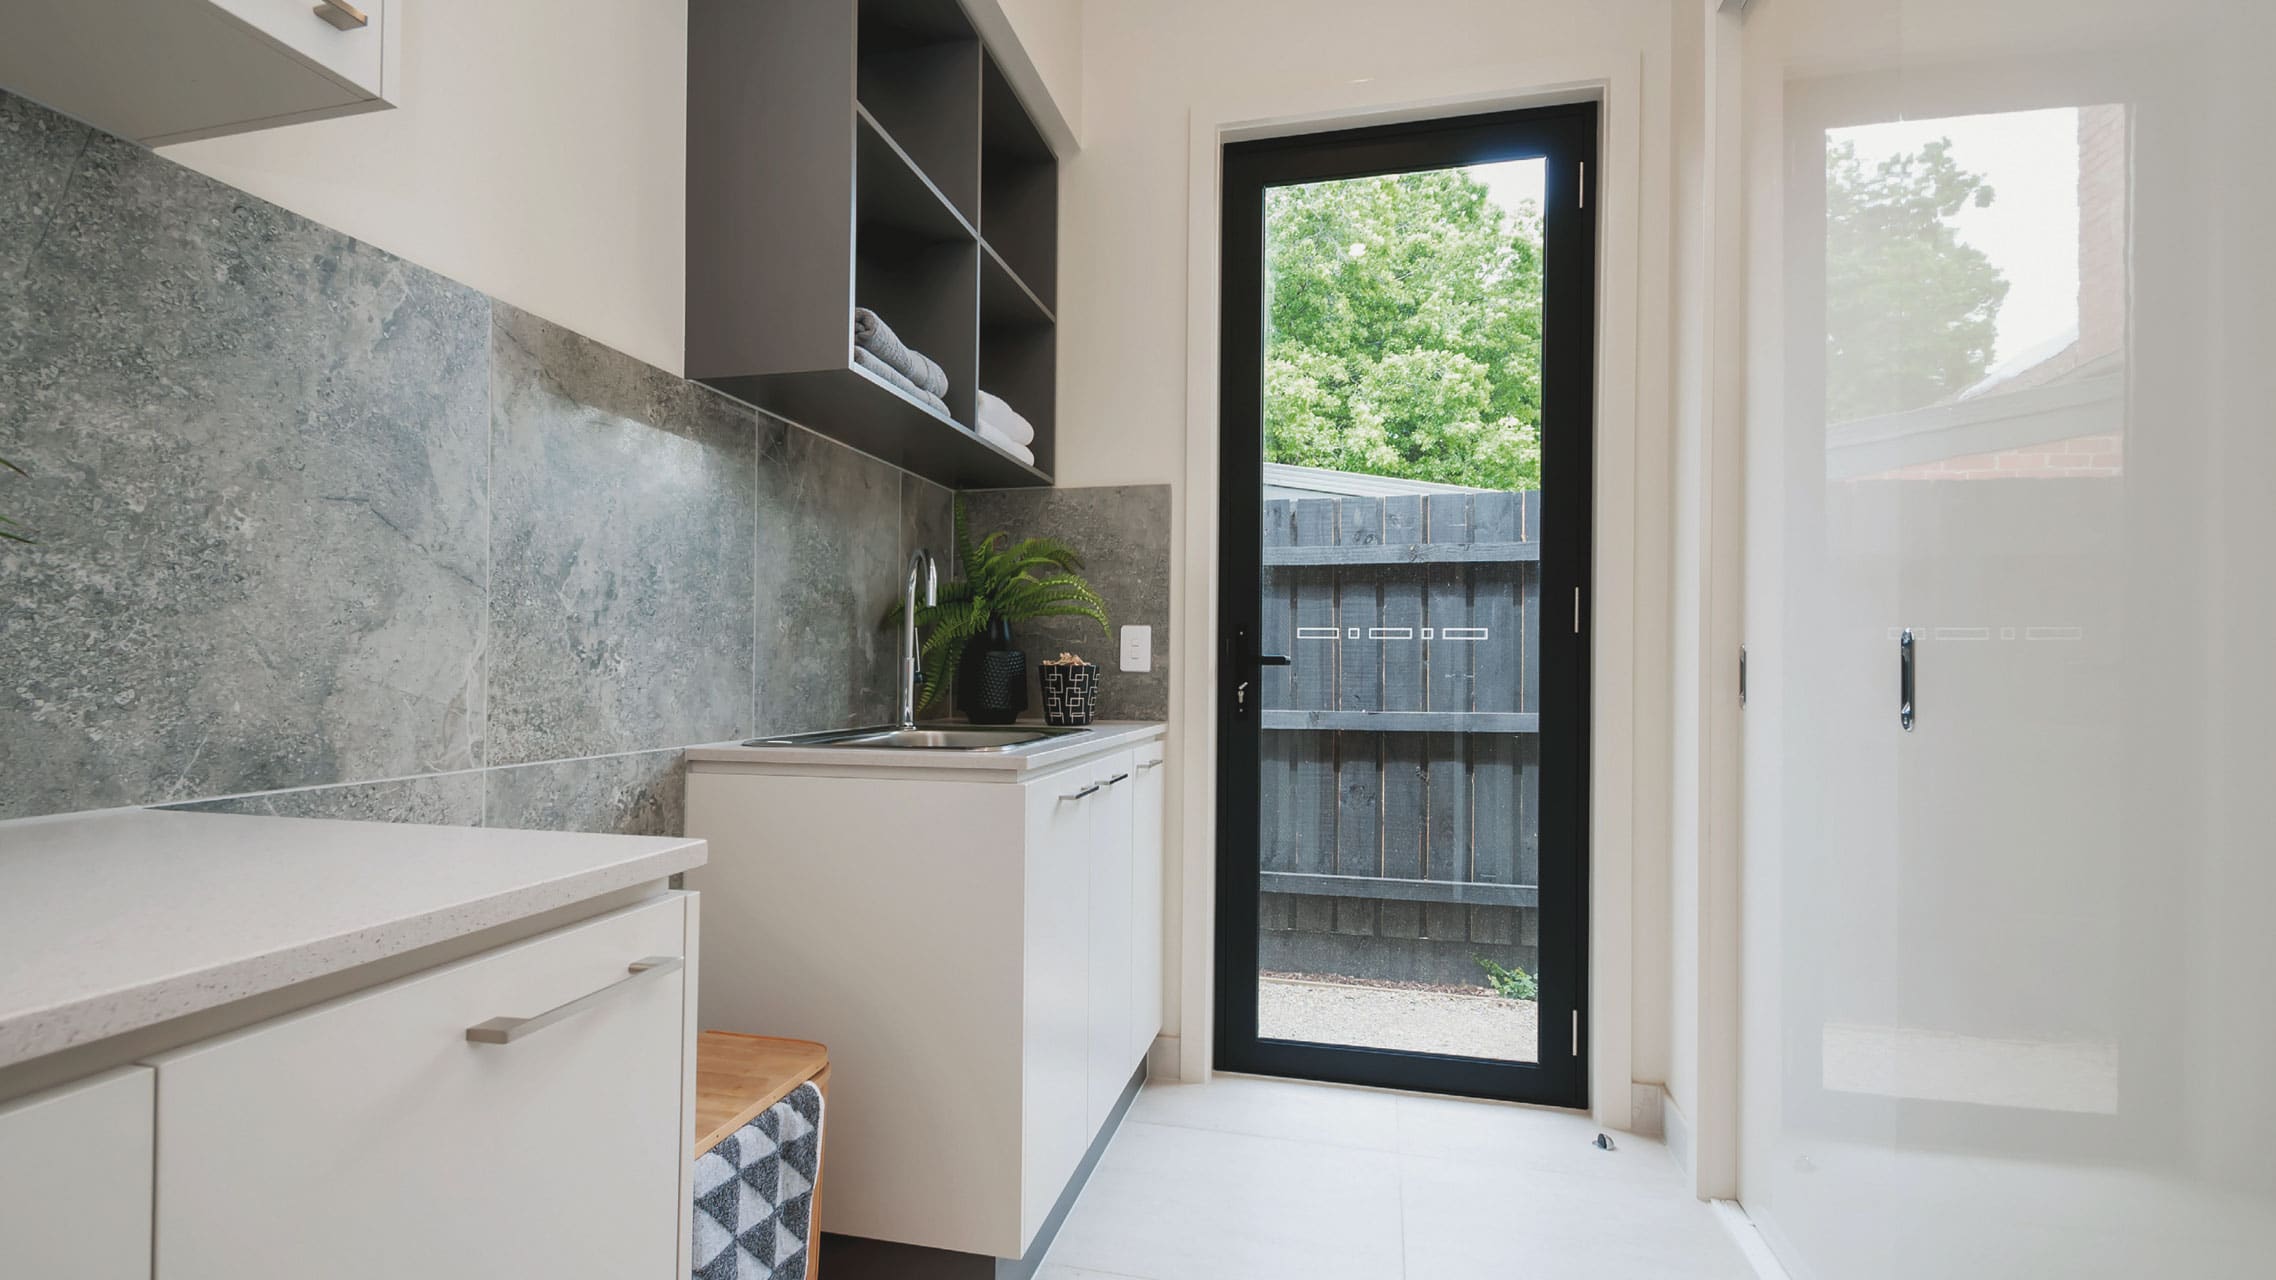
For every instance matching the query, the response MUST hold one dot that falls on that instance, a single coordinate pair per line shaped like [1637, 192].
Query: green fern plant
[1013, 581]
[9, 528]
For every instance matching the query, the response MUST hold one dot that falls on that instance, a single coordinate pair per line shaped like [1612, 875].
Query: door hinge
[1742, 675]
[1576, 611]
[1576, 1033]
[1580, 199]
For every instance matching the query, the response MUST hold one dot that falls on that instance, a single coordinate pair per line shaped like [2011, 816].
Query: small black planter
[991, 682]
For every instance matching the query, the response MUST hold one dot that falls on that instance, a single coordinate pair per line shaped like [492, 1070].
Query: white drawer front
[353, 55]
[74, 1180]
[370, 1138]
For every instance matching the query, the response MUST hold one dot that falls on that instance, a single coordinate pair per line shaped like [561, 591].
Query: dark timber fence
[1401, 771]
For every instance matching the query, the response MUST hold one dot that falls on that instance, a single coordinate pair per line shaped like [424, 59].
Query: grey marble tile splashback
[445, 799]
[623, 508]
[1123, 533]
[828, 570]
[318, 524]
[258, 455]
[642, 795]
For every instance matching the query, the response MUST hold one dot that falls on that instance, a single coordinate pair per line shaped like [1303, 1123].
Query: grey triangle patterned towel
[754, 1194]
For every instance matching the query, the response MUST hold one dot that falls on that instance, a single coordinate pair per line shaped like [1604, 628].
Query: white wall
[1051, 31]
[1148, 65]
[539, 154]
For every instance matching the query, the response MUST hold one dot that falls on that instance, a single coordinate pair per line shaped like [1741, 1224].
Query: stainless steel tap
[920, 563]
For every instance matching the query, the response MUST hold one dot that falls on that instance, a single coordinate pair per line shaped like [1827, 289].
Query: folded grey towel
[869, 360]
[876, 337]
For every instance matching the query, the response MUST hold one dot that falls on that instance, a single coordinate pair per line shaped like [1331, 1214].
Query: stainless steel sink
[937, 737]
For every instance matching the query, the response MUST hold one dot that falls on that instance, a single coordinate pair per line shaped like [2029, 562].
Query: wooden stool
[738, 1076]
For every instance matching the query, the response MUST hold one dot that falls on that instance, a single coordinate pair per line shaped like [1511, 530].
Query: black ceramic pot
[991, 683]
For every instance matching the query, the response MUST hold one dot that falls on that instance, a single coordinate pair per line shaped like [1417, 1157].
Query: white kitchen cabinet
[969, 940]
[372, 1137]
[1113, 918]
[1147, 813]
[162, 71]
[1055, 1047]
[74, 1180]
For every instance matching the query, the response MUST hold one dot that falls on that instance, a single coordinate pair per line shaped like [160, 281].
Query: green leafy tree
[1405, 330]
[1911, 311]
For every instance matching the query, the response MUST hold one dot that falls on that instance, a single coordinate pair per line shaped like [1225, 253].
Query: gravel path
[1425, 1021]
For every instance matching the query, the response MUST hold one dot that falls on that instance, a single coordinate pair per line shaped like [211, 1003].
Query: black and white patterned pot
[1070, 692]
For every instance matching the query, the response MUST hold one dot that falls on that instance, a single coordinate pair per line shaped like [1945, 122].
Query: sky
[1513, 181]
[2030, 230]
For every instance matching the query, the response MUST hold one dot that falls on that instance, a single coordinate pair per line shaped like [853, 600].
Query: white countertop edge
[32, 1028]
[1103, 736]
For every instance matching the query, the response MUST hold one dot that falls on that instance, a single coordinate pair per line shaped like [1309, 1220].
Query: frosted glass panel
[2007, 1011]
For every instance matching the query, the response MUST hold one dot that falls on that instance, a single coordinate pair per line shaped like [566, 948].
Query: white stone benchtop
[1026, 758]
[119, 920]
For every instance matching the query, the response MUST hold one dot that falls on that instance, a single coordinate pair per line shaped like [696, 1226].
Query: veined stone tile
[928, 520]
[258, 479]
[1123, 535]
[449, 799]
[38, 150]
[637, 795]
[829, 567]
[623, 512]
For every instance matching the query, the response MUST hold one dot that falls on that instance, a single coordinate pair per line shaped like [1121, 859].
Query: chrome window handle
[508, 1030]
[343, 15]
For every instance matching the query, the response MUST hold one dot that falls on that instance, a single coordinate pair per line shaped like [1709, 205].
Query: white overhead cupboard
[977, 939]
[163, 71]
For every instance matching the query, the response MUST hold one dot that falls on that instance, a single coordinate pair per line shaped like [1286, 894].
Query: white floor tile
[1541, 1138]
[1467, 1221]
[1173, 1203]
[1250, 1179]
[1296, 1109]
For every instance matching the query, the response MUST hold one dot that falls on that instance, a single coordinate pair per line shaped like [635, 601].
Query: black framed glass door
[1406, 420]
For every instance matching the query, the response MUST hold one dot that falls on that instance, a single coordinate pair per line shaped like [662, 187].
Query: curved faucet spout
[921, 564]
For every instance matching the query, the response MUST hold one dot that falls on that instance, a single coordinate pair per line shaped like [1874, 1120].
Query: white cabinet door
[1055, 961]
[1146, 816]
[370, 1139]
[349, 51]
[75, 1180]
[165, 71]
[1111, 919]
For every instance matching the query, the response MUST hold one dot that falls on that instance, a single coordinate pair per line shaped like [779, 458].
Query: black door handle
[1244, 664]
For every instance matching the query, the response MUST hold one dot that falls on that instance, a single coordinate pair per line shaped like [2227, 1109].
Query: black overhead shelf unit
[869, 152]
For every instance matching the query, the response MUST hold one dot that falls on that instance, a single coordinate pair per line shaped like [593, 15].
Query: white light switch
[1137, 648]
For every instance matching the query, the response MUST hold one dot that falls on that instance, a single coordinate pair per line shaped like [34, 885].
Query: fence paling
[1400, 760]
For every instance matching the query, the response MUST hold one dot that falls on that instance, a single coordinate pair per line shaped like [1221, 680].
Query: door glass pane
[1399, 798]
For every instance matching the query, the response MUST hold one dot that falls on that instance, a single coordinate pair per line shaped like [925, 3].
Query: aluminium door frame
[1566, 136]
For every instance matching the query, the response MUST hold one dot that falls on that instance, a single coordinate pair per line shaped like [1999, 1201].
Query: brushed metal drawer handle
[343, 15]
[1077, 795]
[1116, 778]
[1144, 765]
[508, 1030]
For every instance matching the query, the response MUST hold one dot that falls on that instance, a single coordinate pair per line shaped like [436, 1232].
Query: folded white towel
[993, 412]
[1007, 444]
